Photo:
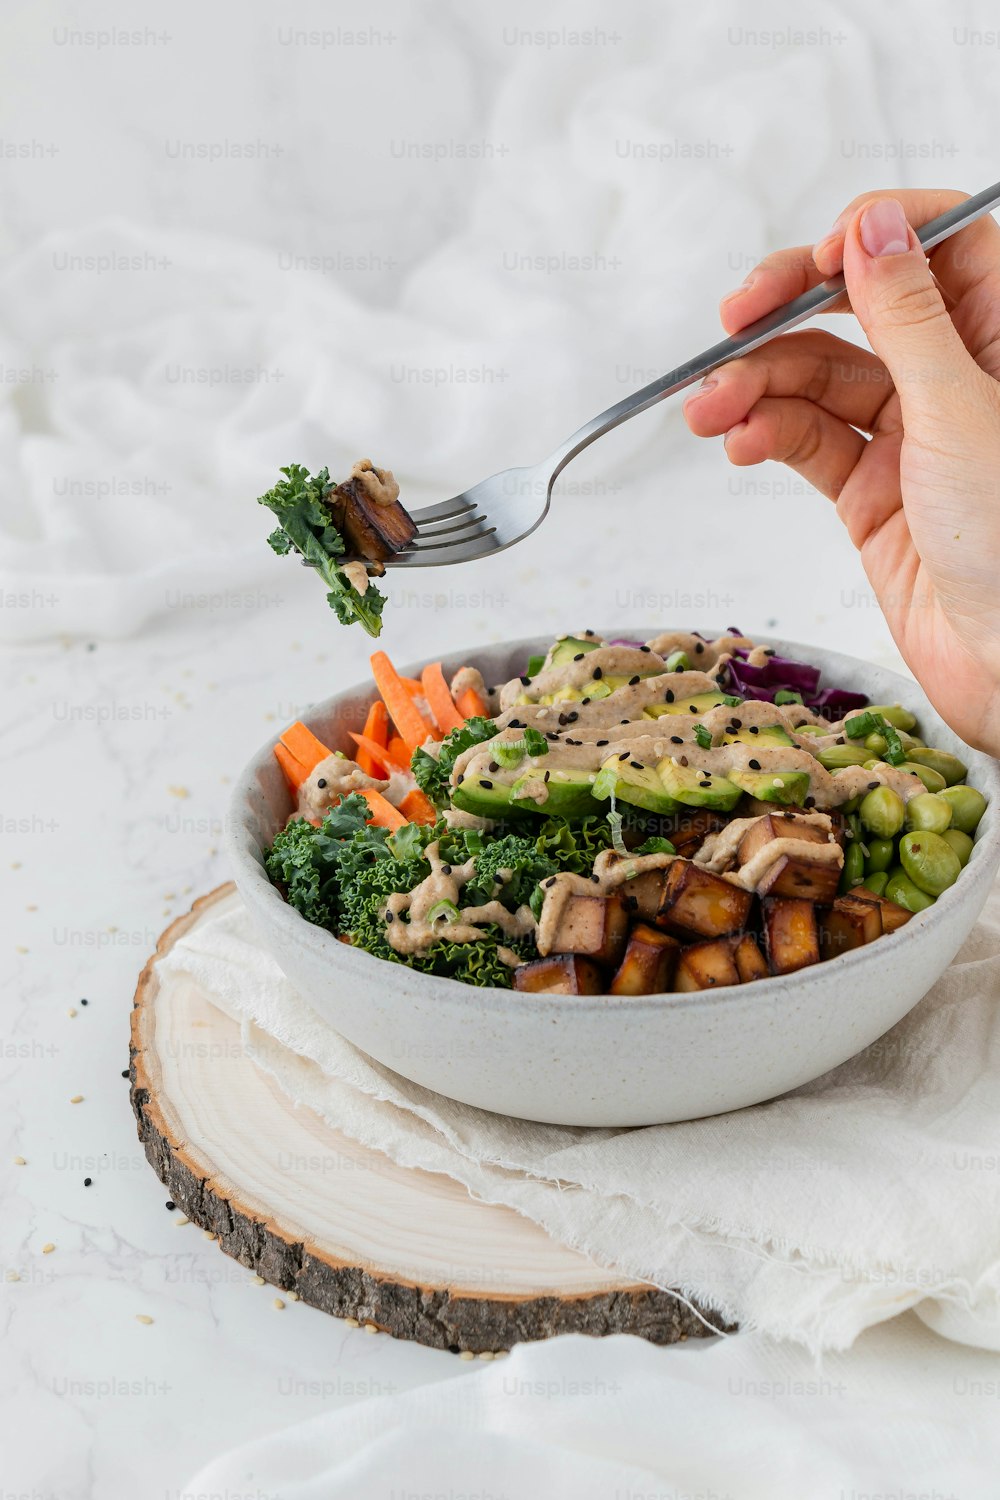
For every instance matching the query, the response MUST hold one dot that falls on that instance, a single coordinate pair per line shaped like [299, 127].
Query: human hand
[920, 495]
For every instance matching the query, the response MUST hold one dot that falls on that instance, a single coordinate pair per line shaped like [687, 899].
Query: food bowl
[607, 1060]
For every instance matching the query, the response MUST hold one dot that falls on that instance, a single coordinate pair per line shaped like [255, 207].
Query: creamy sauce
[356, 574]
[611, 871]
[378, 484]
[339, 777]
[408, 929]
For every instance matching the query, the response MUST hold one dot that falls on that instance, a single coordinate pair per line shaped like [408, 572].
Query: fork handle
[790, 315]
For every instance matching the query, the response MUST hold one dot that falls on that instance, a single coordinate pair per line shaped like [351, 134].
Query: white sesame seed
[277, 1304]
[76, 1099]
[258, 1280]
[466, 1354]
[143, 1318]
[19, 1161]
[48, 1249]
[352, 1322]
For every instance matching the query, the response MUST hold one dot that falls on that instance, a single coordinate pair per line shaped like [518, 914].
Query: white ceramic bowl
[604, 1060]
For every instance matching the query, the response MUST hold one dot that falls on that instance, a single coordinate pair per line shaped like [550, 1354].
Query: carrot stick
[470, 705]
[439, 699]
[295, 774]
[399, 751]
[379, 754]
[376, 731]
[408, 719]
[301, 743]
[384, 815]
[413, 686]
[418, 808]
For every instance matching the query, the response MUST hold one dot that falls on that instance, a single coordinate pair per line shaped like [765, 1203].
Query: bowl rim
[244, 855]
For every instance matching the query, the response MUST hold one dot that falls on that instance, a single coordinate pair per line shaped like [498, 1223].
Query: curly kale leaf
[306, 525]
[433, 773]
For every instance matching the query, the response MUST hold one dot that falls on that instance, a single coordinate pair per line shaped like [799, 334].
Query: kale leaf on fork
[306, 526]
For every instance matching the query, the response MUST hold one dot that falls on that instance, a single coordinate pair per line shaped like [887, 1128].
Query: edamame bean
[929, 862]
[882, 812]
[876, 743]
[851, 806]
[960, 842]
[876, 882]
[894, 714]
[900, 888]
[881, 853]
[948, 766]
[836, 757]
[854, 866]
[967, 807]
[932, 780]
[928, 811]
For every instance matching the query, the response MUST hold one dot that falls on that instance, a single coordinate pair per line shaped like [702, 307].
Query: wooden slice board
[344, 1226]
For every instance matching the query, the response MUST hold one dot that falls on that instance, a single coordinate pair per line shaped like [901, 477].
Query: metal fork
[507, 507]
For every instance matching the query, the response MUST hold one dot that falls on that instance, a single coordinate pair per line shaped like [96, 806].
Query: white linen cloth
[872, 1190]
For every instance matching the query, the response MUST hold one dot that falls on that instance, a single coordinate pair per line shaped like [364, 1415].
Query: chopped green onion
[862, 725]
[655, 845]
[615, 819]
[730, 701]
[893, 754]
[703, 736]
[535, 665]
[784, 695]
[509, 753]
[444, 909]
[678, 661]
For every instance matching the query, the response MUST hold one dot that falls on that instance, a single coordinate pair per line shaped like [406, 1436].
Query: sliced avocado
[767, 734]
[482, 795]
[569, 647]
[569, 793]
[789, 788]
[640, 786]
[577, 694]
[699, 704]
[697, 788]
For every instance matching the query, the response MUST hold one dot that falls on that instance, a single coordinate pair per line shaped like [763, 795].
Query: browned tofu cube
[777, 826]
[750, 962]
[688, 830]
[697, 903]
[894, 916]
[649, 963]
[371, 531]
[790, 933]
[562, 974]
[803, 878]
[706, 966]
[596, 926]
[851, 922]
[643, 894]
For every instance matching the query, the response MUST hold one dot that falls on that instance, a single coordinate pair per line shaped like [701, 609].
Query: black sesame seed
[389, 916]
[737, 723]
[551, 880]
[684, 760]
[721, 680]
[321, 783]
[755, 765]
[584, 701]
[487, 785]
[588, 632]
[563, 719]
[494, 765]
[625, 755]
[840, 740]
[680, 667]
[645, 648]
[704, 783]
[872, 785]
[699, 647]
[547, 775]
[170, 1205]
[550, 734]
[596, 879]
[525, 681]
[754, 729]
[580, 656]
[769, 651]
[572, 718]
[602, 742]
[84, 1002]
[633, 680]
[676, 739]
[125, 1072]
[446, 869]
[516, 724]
[598, 673]
[460, 778]
[809, 802]
[87, 1181]
[670, 696]
[637, 765]
[623, 721]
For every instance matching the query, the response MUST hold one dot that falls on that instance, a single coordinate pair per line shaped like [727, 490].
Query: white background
[508, 230]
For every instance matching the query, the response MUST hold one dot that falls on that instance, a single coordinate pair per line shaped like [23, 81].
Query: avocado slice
[482, 795]
[767, 734]
[639, 786]
[790, 788]
[699, 704]
[569, 647]
[697, 788]
[569, 793]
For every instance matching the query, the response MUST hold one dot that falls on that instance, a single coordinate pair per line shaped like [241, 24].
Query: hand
[920, 496]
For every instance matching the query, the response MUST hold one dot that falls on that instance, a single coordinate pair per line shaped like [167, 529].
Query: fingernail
[738, 428]
[708, 384]
[821, 244]
[743, 287]
[883, 228]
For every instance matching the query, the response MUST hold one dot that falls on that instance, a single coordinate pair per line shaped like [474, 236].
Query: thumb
[898, 304]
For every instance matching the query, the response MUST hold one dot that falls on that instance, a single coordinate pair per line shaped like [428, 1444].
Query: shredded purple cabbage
[781, 673]
[621, 642]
